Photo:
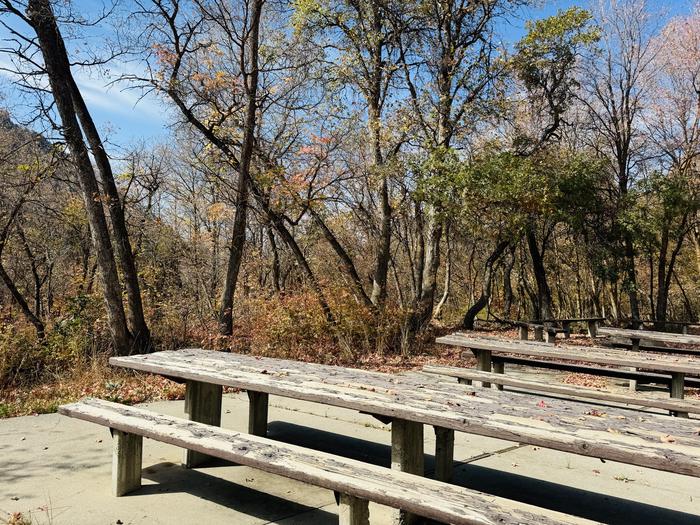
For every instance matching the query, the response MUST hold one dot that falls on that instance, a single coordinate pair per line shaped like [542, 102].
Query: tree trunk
[23, 305]
[240, 220]
[137, 322]
[448, 277]
[57, 67]
[631, 280]
[346, 262]
[544, 294]
[483, 300]
[507, 285]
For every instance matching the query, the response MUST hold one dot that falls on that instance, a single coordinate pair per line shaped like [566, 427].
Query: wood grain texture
[597, 355]
[565, 390]
[426, 497]
[620, 435]
[650, 335]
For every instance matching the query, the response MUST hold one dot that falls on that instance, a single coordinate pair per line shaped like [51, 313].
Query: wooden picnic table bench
[411, 402]
[357, 483]
[484, 347]
[566, 322]
[636, 336]
[467, 375]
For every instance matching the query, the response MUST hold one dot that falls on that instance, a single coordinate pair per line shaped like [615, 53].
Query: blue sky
[125, 119]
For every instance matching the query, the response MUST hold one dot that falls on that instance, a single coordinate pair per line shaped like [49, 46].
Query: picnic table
[411, 401]
[636, 336]
[484, 348]
[540, 327]
[566, 322]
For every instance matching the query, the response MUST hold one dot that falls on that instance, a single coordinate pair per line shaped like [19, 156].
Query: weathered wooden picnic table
[484, 348]
[636, 336]
[591, 324]
[411, 401]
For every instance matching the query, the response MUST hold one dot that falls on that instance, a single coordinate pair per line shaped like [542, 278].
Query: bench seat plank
[566, 390]
[637, 439]
[426, 497]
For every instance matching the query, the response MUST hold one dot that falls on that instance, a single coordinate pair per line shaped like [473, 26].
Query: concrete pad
[57, 470]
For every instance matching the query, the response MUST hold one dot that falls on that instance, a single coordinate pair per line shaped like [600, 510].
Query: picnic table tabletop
[597, 355]
[650, 335]
[641, 439]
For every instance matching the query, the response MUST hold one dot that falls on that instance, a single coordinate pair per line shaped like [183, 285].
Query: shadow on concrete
[545, 494]
[172, 478]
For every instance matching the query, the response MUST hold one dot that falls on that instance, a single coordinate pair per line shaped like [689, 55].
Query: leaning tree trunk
[483, 300]
[240, 220]
[543, 308]
[125, 254]
[57, 67]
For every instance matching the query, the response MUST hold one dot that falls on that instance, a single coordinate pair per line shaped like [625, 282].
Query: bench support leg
[464, 381]
[551, 336]
[257, 413]
[499, 367]
[592, 329]
[444, 453]
[406, 456]
[353, 511]
[523, 333]
[127, 451]
[633, 382]
[203, 405]
[678, 390]
[539, 334]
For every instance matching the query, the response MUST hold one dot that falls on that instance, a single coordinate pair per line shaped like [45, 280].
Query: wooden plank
[565, 390]
[598, 355]
[651, 348]
[650, 335]
[429, 498]
[619, 373]
[127, 452]
[561, 425]
[203, 405]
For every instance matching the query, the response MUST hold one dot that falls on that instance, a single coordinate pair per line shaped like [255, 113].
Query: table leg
[592, 329]
[203, 405]
[406, 456]
[567, 329]
[499, 367]
[551, 336]
[523, 333]
[678, 390]
[127, 451]
[352, 510]
[633, 382]
[539, 334]
[257, 413]
[444, 453]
